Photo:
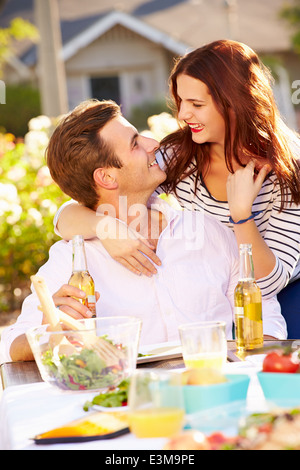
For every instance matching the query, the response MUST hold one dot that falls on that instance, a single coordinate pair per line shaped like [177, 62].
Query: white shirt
[196, 281]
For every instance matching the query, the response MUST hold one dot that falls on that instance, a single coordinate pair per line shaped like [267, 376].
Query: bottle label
[239, 311]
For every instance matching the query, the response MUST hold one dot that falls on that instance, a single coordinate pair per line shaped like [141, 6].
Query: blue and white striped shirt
[280, 230]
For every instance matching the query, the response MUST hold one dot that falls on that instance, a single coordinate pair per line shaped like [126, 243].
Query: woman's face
[199, 111]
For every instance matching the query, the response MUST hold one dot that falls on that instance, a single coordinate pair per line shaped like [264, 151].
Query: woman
[232, 157]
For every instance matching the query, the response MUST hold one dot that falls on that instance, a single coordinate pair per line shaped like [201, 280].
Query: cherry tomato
[278, 361]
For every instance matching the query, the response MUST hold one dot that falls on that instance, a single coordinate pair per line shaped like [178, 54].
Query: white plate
[160, 352]
[109, 409]
[256, 359]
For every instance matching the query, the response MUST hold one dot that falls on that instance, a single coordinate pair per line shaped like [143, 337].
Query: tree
[291, 13]
[18, 30]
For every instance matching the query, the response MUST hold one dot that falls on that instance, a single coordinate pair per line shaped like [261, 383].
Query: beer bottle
[80, 277]
[247, 304]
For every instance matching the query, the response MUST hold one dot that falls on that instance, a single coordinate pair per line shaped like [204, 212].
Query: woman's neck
[217, 152]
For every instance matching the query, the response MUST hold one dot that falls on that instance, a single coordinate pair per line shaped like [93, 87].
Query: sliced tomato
[278, 361]
[265, 428]
[217, 440]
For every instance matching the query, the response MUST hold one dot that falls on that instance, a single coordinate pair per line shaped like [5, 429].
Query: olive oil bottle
[80, 277]
[247, 305]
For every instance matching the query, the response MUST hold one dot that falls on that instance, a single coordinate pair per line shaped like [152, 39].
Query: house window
[106, 88]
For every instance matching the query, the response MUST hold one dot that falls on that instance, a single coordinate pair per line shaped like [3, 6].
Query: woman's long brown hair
[237, 80]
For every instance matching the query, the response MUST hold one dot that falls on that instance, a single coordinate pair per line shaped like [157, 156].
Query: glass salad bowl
[97, 356]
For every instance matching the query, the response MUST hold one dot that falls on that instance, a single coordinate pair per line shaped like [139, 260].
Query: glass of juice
[156, 404]
[204, 344]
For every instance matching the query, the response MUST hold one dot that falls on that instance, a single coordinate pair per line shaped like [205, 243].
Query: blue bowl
[280, 386]
[203, 397]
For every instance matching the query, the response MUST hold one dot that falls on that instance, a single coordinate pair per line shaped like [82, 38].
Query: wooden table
[19, 373]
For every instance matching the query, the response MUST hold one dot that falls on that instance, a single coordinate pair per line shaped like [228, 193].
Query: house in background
[124, 50]
[114, 56]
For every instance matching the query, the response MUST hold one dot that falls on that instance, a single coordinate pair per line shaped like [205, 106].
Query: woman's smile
[195, 127]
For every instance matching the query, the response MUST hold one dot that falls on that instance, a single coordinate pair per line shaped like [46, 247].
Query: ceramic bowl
[280, 386]
[202, 397]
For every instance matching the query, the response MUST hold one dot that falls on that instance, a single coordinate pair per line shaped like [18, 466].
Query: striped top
[280, 230]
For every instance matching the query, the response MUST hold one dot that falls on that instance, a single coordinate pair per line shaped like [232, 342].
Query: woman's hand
[127, 247]
[64, 299]
[243, 187]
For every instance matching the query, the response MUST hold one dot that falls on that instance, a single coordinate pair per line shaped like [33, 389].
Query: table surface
[18, 373]
[30, 406]
[30, 409]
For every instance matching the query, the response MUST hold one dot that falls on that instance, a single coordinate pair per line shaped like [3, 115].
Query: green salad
[115, 397]
[82, 371]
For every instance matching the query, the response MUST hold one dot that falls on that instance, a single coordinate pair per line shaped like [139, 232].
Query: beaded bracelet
[245, 220]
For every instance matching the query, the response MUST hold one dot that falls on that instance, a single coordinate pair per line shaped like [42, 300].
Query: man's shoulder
[62, 246]
[63, 249]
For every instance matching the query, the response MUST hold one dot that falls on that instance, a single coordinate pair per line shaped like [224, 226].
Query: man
[99, 159]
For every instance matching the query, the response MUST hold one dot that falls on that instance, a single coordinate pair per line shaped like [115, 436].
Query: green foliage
[21, 29]
[22, 104]
[18, 30]
[140, 114]
[291, 13]
[28, 201]
[23, 101]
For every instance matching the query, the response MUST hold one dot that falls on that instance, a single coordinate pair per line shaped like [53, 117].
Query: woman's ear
[104, 178]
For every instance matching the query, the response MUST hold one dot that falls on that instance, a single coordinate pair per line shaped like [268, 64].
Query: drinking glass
[156, 404]
[204, 344]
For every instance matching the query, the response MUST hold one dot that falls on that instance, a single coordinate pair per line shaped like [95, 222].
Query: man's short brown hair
[76, 150]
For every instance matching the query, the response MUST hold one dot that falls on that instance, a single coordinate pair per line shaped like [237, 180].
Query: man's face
[140, 173]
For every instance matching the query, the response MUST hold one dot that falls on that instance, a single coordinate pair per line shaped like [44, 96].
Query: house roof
[177, 24]
[69, 31]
